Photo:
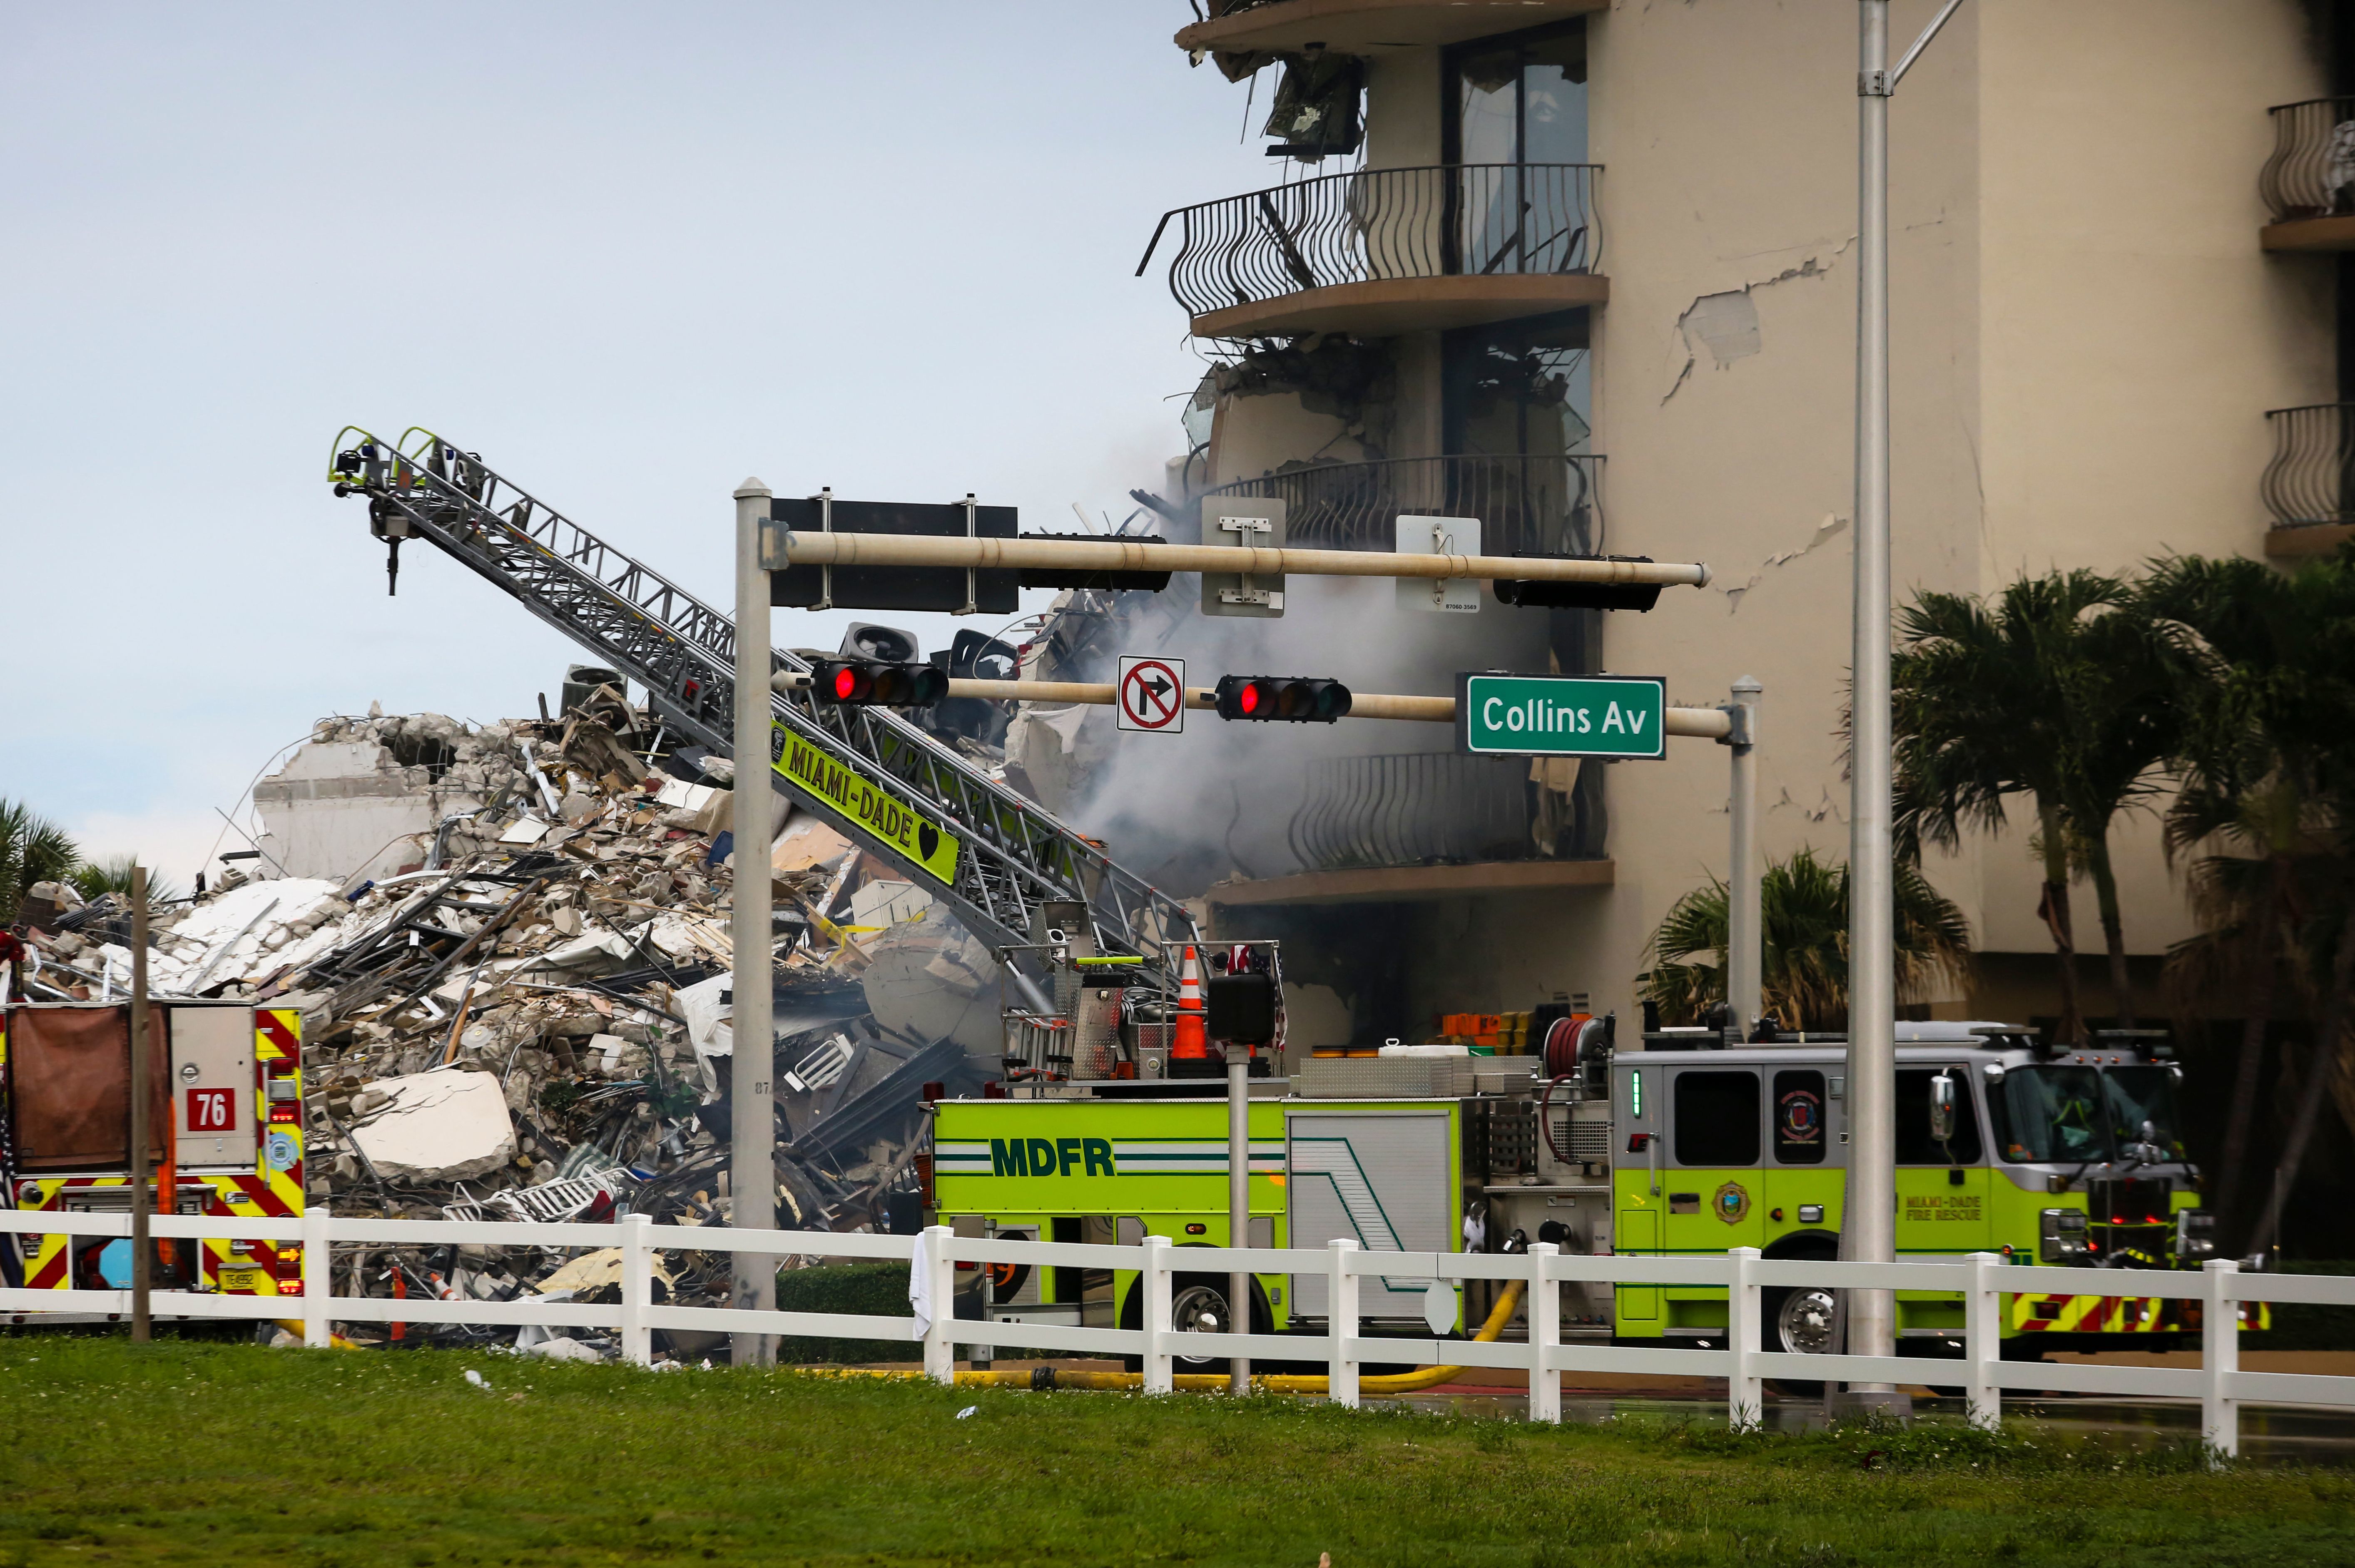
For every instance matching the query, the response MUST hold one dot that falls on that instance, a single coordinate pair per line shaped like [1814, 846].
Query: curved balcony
[1381, 251]
[1425, 825]
[2309, 485]
[1368, 26]
[1436, 808]
[2309, 181]
[1550, 505]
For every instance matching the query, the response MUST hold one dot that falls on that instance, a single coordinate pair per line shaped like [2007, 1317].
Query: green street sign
[1560, 715]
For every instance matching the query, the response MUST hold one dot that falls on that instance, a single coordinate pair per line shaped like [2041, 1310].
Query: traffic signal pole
[1744, 944]
[1704, 723]
[753, 1127]
[789, 547]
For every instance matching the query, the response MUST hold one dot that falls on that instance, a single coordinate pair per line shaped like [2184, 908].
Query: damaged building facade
[1591, 280]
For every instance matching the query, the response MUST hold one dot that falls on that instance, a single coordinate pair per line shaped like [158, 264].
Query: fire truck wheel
[1798, 1320]
[1198, 1304]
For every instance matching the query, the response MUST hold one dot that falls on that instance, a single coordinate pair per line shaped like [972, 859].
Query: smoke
[1225, 799]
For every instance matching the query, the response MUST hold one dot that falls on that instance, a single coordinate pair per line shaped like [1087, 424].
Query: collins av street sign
[1560, 715]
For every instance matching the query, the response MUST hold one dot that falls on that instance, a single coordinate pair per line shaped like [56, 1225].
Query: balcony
[1368, 26]
[1425, 825]
[1550, 505]
[2309, 181]
[2310, 486]
[1383, 251]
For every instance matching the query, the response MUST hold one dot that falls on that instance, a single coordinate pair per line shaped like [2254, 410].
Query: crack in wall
[1726, 322]
[1829, 811]
[1830, 528]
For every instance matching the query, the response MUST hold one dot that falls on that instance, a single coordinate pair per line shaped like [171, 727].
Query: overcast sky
[629, 253]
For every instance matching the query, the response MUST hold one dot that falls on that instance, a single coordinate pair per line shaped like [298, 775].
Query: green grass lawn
[214, 1453]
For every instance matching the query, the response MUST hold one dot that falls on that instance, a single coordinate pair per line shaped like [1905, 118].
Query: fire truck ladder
[1014, 855]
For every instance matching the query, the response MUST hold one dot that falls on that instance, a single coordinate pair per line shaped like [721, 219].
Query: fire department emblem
[1733, 1202]
[281, 1151]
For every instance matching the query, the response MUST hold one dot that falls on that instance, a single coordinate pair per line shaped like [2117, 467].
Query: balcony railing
[1448, 221]
[1438, 808]
[2312, 171]
[1550, 505]
[2311, 479]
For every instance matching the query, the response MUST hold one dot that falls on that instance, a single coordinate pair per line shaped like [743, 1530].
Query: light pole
[1868, 1226]
[752, 1129]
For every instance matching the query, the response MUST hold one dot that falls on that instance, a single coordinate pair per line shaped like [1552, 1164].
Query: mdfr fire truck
[226, 1097]
[1683, 1145]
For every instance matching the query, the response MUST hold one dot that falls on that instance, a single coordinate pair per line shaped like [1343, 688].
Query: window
[1519, 388]
[1520, 101]
[1799, 1118]
[1717, 1119]
[2051, 1115]
[2140, 1094]
[1914, 1144]
[1517, 135]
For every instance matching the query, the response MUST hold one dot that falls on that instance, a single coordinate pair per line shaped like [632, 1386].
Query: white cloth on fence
[920, 1289]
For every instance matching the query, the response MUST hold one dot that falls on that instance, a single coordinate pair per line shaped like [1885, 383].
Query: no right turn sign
[1152, 694]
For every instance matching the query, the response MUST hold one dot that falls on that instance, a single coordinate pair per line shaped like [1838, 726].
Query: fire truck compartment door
[69, 1086]
[1385, 1178]
[213, 1109]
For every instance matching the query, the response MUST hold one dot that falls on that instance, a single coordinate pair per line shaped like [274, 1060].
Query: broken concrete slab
[448, 1124]
[931, 979]
[884, 902]
[807, 844]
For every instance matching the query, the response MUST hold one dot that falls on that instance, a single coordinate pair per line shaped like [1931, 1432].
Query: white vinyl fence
[1981, 1279]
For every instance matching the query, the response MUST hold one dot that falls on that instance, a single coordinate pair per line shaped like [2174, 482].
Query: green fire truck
[1684, 1145]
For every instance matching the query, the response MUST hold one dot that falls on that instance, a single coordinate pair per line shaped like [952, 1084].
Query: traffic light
[876, 684]
[1543, 595]
[1298, 699]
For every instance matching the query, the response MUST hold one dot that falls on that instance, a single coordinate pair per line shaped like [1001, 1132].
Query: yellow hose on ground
[1215, 1383]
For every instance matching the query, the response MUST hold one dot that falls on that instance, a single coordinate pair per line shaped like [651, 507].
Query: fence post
[638, 1287]
[1983, 1341]
[1744, 1331]
[1160, 1374]
[318, 1275]
[940, 1335]
[1340, 1321]
[1544, 1302]
[2220, 1358]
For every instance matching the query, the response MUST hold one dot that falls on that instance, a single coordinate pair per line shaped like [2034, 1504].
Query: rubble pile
[532, 1021]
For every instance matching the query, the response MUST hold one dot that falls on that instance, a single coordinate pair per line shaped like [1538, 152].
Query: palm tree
[2058, 691]
[2266, 672]
[94, 880]
[32, 848]
[2125, 725]
[1803, 906]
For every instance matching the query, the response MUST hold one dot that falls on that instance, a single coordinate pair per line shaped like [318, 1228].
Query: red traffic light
[875, 682]
[1298, 699]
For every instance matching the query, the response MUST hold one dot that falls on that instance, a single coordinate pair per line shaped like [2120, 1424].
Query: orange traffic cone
[1192, 1040]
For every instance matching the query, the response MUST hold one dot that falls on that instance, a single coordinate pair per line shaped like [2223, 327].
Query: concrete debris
[511, 950]
[558, 1349]
[444, 1126]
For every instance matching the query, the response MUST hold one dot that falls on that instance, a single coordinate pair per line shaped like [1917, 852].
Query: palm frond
[1804, 961]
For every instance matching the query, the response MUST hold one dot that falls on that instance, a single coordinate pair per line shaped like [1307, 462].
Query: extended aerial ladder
[1013, 856]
